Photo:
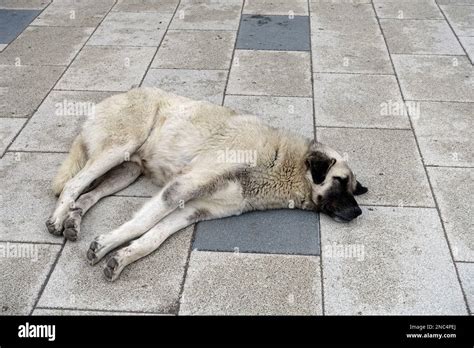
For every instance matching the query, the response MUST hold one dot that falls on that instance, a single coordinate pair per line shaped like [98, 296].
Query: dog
[191, 149]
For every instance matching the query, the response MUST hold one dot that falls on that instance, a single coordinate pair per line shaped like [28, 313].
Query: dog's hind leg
[95, 167]
[115, 180]
[194, 211]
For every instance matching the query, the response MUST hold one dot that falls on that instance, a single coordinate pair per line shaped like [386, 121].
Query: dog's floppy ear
[360, 189]
[319, 164]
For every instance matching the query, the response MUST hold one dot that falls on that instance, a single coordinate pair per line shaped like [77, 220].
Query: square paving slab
[454, 192]
[437, 78]
[151, 284]
[407, 9]
[107, 68]
[266, 32]
[250, 284]
[26, 196]
[389, 261]
[276, 7]
[274, 232]
[445, 133]
[13, 22]
[46, 46]
[371, 101]
[385, 161]
[420, 37]
[58, 121]
[73, 13]
[24, 268]
[189, 49]
[24, 87]
[207, 15]
[9, 127]
[295, 114]
[131, 29]
[197, 84]
[277, 73]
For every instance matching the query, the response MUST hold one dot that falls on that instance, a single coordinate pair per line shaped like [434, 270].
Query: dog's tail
[73, 163]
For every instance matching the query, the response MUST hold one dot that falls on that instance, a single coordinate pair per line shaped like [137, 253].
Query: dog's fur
[179, 143]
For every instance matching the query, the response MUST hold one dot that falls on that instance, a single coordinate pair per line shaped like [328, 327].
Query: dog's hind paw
[53, 227]
[113, 268]
[72, 226]
[93, 253]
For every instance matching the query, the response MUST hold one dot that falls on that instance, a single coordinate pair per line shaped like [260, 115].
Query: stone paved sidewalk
[389, 83]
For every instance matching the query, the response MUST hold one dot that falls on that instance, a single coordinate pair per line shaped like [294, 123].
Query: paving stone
[407, 9]
[207, 15]
[249, 284]
[131, 29]
[386, 161]
[468, 44]
[149, 285]
[272, 232]
[352, 100]
[13, 22]
[9, 127]
[142, 6]
[275, 73]
[24, 268]
[195, 50]
[466, 273]
[24, 4]
[436, 78]
[26, 196]
[461, 19]
[420, 37]
[75, 312]
[444, 133]
[346, 38]
[295, 114]
[197, 84]
[84, 13]
[389, 261]
[266, 32]
[339, 52]
[46, 46]
[454, 192]
[107, 68]
[276, 7]
[343, 17]
[58, 121]
[2, 47]
[24, 87]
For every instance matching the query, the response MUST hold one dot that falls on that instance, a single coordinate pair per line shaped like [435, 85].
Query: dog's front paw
[113, 267]
[94, 253]
[54, 226]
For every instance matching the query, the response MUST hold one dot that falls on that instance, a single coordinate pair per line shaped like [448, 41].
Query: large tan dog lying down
[209, 161]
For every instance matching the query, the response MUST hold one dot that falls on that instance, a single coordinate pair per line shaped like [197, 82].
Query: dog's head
[333, 183]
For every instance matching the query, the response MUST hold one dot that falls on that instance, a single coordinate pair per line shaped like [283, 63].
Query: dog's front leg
[195, 184]
[194, 211]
